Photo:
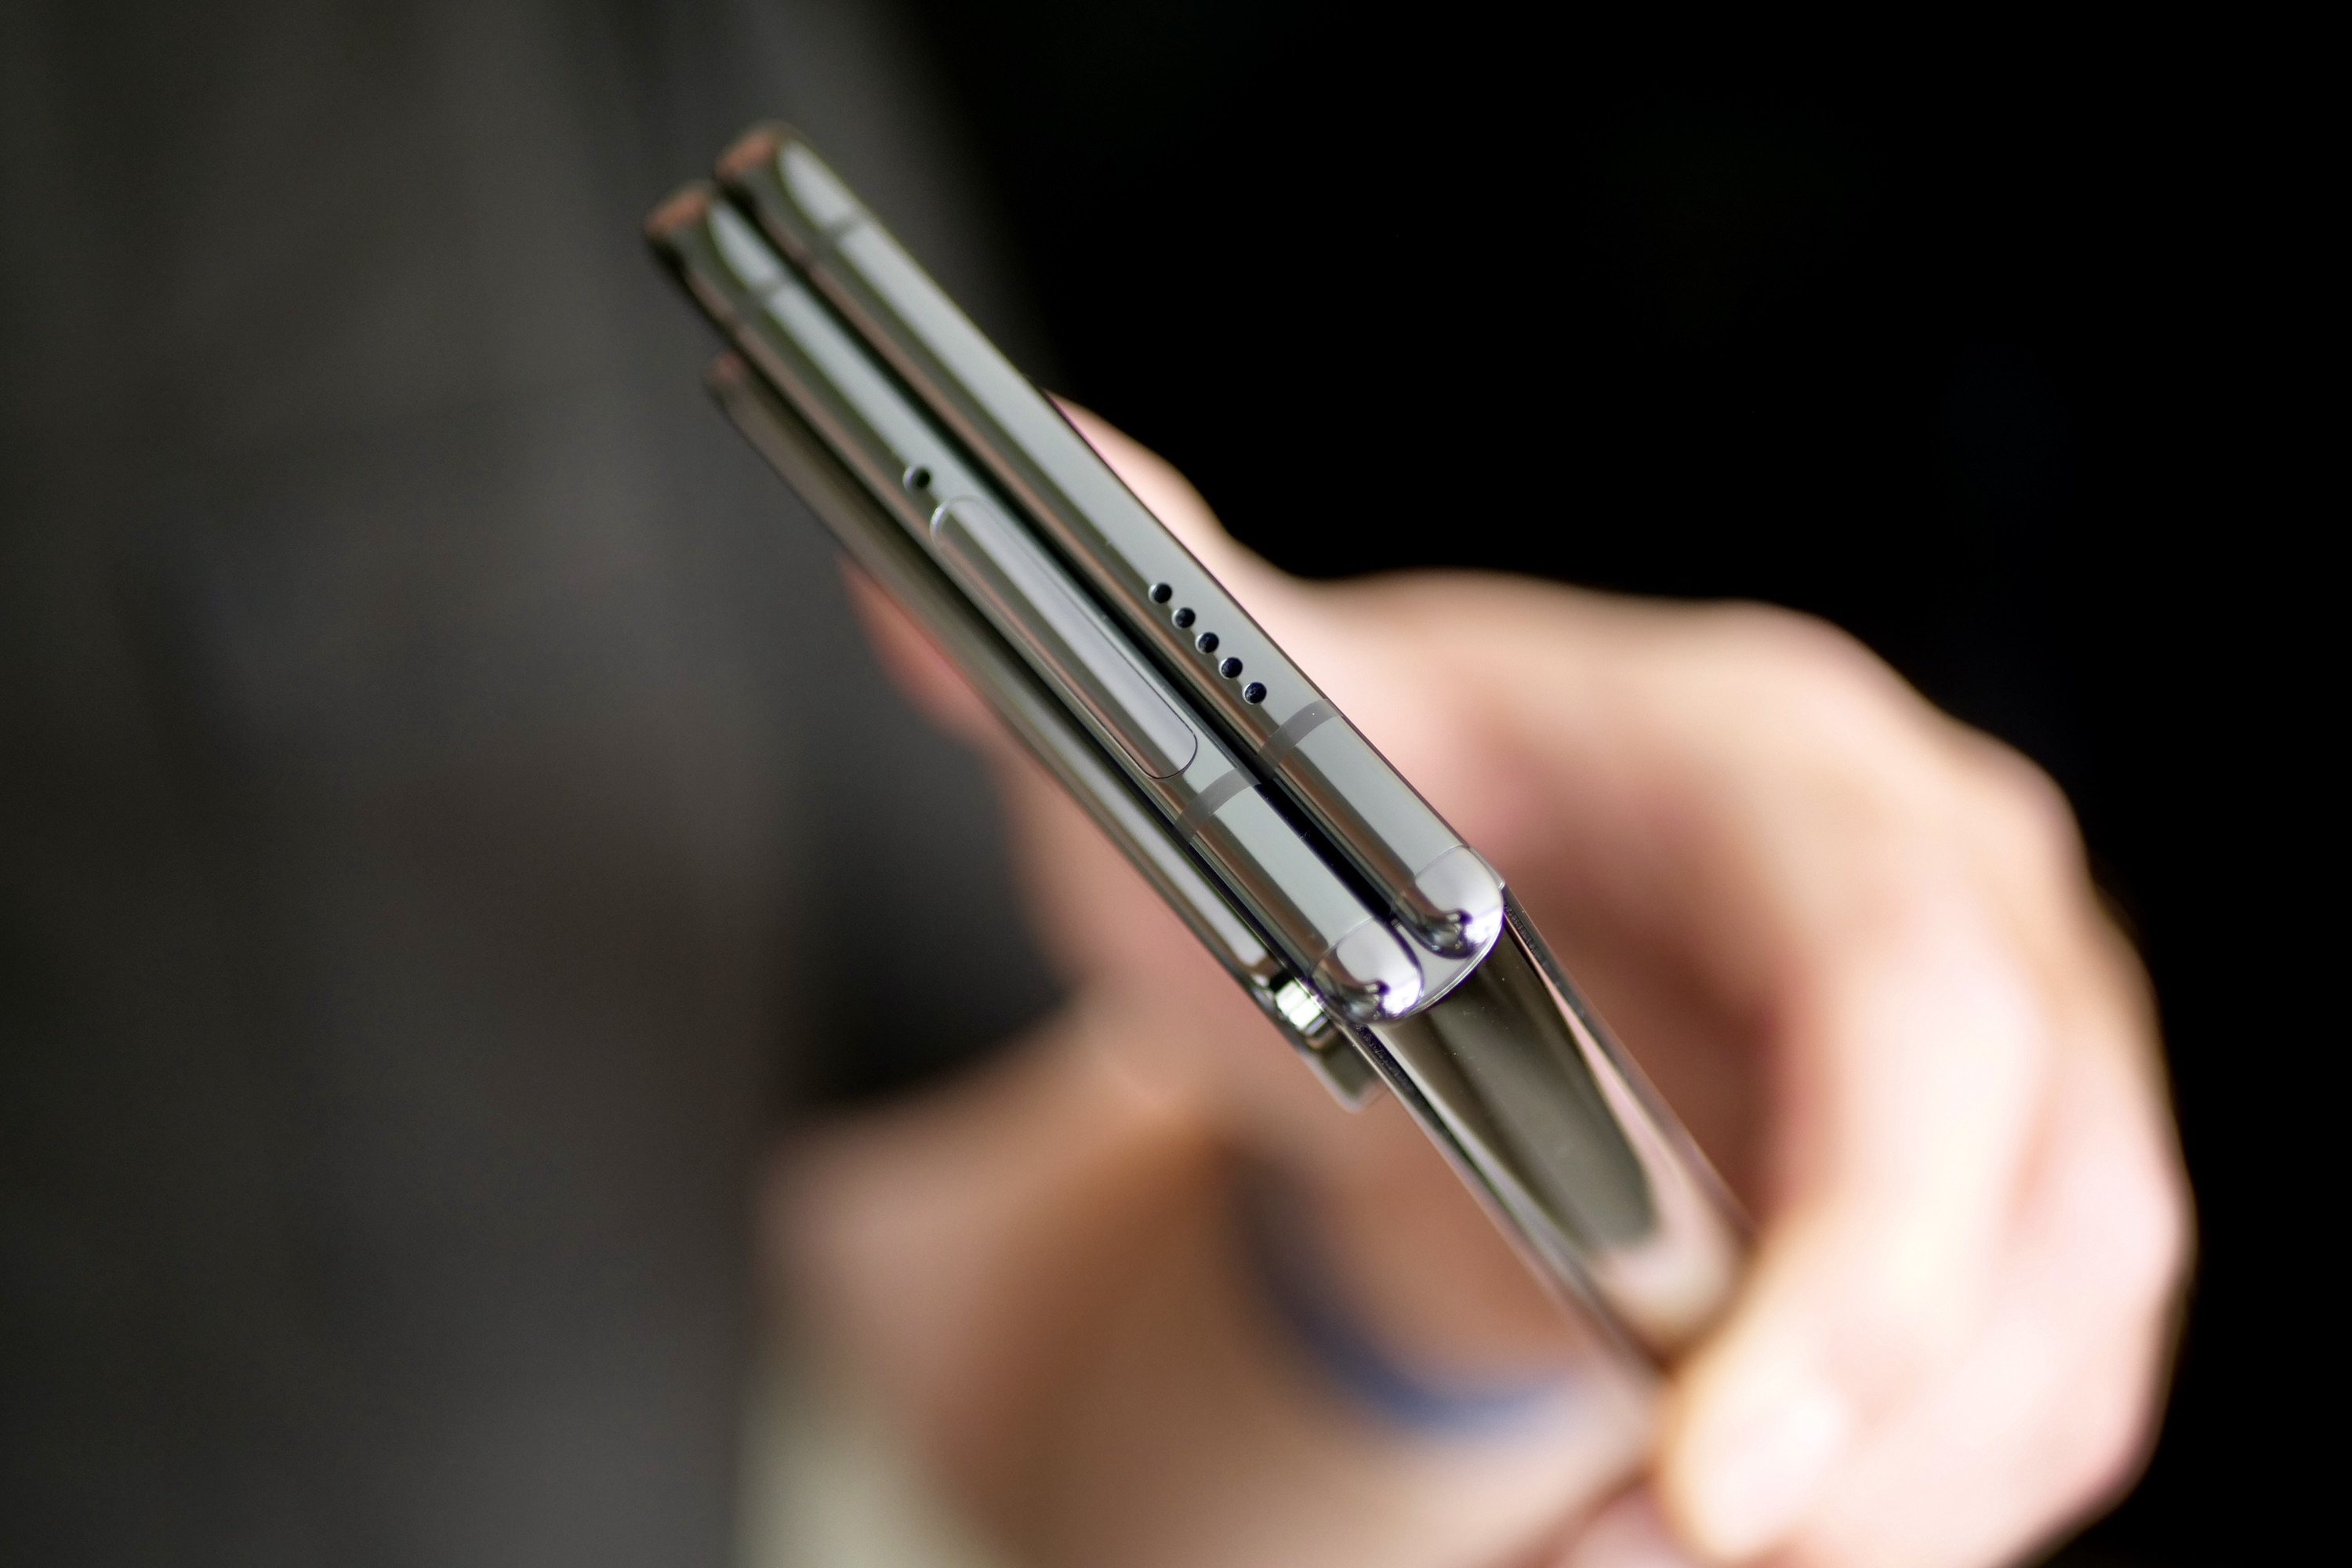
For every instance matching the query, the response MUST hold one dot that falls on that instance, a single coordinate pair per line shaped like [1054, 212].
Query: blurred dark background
[1971, 336]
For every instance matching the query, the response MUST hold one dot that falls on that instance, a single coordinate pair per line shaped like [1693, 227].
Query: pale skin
[1854, 943]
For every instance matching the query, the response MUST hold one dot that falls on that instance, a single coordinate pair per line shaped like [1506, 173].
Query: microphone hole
[1185, 618]
[1254, 692]
[1230, 668]
[1161, 593]
[1206, 642]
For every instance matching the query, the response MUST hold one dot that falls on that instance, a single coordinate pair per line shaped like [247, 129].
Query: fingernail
[1749, 1487]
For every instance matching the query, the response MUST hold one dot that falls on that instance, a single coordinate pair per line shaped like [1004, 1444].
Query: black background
[1973, 341]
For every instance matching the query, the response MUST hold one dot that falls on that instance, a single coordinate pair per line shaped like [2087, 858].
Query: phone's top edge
[687, 205]
[755, 147]
[774, 170]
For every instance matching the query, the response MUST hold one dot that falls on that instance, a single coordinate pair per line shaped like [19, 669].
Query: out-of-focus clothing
[445, 808]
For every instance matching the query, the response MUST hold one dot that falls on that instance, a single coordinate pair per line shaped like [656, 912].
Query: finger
[1916, 1037]
[917, 666]
[2048, 1412]
[1927, 1068]
[1928, 1057]
[1167, 493]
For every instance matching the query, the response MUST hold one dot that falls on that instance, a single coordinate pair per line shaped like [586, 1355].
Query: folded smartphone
[1380, 944]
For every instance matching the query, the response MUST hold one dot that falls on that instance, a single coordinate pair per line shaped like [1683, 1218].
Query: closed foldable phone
[1375, 940]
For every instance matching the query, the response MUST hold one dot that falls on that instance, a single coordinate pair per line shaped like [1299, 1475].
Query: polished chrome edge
[1658, 1279]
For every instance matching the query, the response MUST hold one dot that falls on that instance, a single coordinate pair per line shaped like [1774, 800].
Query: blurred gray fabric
[446, 810]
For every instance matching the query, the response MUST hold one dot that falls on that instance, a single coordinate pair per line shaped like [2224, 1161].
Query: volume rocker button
[1028, 598]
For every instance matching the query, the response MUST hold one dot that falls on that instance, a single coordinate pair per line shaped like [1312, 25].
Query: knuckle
[1807, 676]
[1801, 652]
[1806, 672]
[2026, 810]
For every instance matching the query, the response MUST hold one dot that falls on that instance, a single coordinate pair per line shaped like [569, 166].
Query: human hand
[1856, 946]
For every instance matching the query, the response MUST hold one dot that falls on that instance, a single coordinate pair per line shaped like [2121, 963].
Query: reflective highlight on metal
[1378, 943]
[1007, 571]
[1555, 1127]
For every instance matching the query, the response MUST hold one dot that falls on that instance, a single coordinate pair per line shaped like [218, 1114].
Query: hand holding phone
[1762, 806]
[1819, 899]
